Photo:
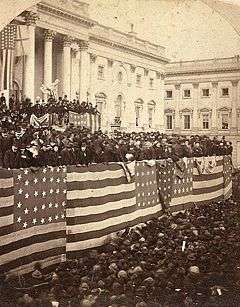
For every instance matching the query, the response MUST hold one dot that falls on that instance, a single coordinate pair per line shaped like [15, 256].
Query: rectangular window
[186, 94]
[169, 94]
[205, 118]
[151, 82]
[205, 92]
[225, 91]
[169, 122]
[186, 122]
[225, 121]
[138, 80]
[100, 72]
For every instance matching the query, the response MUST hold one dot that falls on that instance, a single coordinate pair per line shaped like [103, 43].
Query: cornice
[66, 15]
[202, 71]
[125, 48]
[214, 80]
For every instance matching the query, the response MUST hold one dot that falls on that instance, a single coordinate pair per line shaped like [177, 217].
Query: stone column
[177, 124]
[234, 124]
[195, 126]
[29, 73]
[48, 53]
[84, 70]
[214, 108]
[67, 66]
[47, 71]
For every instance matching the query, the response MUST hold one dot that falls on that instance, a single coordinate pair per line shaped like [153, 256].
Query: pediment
[186, 110]
[169, 110]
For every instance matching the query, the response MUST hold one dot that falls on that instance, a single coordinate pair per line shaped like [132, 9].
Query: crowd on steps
[22, 145]
[187, 259]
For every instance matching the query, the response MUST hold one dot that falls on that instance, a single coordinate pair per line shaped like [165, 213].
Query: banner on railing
[42, 121]
[87, 120]
[98, 201]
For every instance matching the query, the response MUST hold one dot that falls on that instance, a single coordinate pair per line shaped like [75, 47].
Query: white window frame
[228, 115]
[222, 89]
[166, 97]
[184, 115]
[205, 89]
[209, 122]
[169, 116]
[184, 96]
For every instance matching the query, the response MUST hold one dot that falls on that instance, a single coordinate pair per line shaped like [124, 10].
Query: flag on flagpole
[7, 37]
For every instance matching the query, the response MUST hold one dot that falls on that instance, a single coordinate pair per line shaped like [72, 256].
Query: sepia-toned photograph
[120, 153]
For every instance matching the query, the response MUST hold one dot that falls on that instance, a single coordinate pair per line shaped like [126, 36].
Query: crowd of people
[22, 145]
[187, 259]
[61, 106]
[26, 146]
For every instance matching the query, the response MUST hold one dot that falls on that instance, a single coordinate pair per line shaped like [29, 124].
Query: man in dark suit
[11, 157]
[84, 155]
[2, 101]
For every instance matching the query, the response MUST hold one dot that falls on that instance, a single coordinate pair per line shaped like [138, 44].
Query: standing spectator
[10, 157]
[11, 102]
[2, 102]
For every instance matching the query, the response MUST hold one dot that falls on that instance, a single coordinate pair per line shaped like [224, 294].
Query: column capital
[49, 35]
[67, 40]
[93, 58]
[234, 82]
[177, 86]
[31, 18]
[83, 44]
[215, 84]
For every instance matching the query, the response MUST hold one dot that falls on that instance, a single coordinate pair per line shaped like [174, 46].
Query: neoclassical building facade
[203, 97]
[131, 81]
[119, 72]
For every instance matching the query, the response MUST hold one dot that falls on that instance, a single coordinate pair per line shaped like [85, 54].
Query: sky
[189, 29]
